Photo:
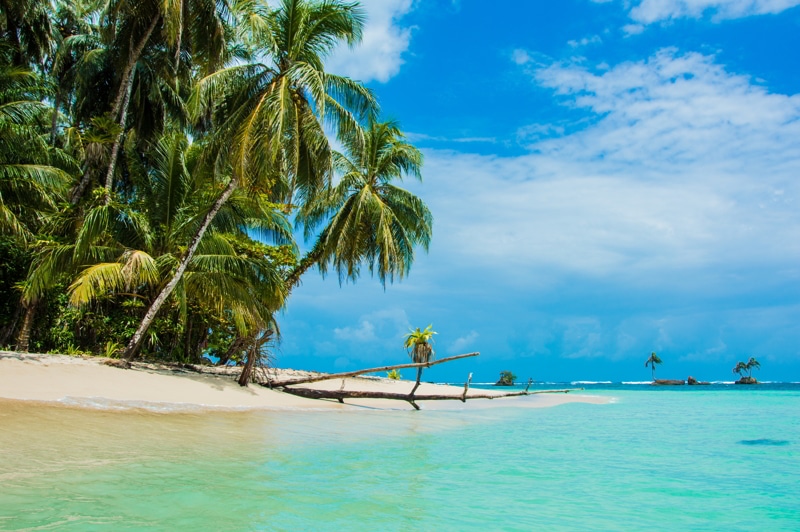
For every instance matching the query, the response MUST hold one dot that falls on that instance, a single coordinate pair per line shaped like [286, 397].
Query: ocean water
[700, 458]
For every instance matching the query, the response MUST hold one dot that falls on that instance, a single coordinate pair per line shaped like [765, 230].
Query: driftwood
[341, 394]
[332, 376]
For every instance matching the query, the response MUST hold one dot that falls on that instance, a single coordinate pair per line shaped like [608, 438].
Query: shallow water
[652, 459]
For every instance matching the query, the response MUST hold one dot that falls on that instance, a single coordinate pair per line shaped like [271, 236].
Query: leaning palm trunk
[311, 258]
[24, 338]
[250, 363]
[123, 100]
[254, 355]
[136, 341]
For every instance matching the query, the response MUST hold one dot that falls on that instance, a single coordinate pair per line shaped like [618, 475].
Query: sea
[718, 457]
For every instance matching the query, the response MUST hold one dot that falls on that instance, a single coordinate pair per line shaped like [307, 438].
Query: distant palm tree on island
[741, 367]
[652, 362]
[507, 378]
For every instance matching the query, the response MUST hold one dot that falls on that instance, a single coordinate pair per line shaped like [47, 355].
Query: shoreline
[87, 382]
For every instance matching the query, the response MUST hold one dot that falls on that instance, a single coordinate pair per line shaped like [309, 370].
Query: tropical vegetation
[507, 378]
[746, 367]
[653, 360]
[419, 342]
[157, 158]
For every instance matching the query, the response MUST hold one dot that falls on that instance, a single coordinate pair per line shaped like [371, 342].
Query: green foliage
[394, 375]
[746, 367]
[123, 123]
[507, 378]
[653, 361]
[418, 343]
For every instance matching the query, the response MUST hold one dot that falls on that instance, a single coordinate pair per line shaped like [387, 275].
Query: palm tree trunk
[250, 363]
[138, 337]
[122, 101]
[24, 338]
[127, 74]
[311, 258]
[54, 119]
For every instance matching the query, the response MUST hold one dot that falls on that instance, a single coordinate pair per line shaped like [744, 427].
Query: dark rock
[668, 382]
[747, 380]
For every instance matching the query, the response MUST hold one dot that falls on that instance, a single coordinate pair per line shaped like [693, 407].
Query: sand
[89, 382]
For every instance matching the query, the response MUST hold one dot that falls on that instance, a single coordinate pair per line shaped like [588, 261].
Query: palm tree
[418, 343]
[752, 364]
[223, 277]
[26, 28]
[270, 134]
[368, 219]
[34, 176]
[740, 368]
[652, 361]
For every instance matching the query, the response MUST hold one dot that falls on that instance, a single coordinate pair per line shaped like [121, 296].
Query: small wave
[590, 382]
[636, 382]
[102, 403]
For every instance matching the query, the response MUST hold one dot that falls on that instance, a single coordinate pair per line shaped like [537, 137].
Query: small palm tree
[752, 364]
[652, 362]
[418, 342]
[740, 368]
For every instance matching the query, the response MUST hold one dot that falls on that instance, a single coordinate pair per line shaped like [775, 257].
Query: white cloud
[686, 168]
[364, 332]
[380, 55]
[594, 39]
[463, 342]
[650, 11]
[520, 56]
[386, 325]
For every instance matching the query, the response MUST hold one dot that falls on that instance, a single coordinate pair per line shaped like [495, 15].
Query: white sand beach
[89, 382]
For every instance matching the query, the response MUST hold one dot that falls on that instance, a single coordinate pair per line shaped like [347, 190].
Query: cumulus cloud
[380, 55]
[650, 11]
[386, 325]
[463, 342]
[686, 167]
[363, 332]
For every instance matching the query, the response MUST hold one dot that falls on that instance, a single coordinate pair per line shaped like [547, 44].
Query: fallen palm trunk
[333, 376]
[411, 398]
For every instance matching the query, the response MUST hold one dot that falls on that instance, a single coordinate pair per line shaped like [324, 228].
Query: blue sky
[607, 179]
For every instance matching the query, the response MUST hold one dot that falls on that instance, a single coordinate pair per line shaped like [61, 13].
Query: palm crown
[652, 361]
[418, 343]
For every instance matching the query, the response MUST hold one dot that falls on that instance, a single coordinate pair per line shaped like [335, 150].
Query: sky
[607, 179]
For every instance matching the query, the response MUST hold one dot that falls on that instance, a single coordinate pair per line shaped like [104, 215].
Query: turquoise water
[689, 459]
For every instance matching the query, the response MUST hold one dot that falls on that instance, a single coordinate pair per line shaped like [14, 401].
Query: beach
[89, 382]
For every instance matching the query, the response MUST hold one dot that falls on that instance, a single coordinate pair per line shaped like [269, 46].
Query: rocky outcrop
[667, 382]
[691, 381]
[747, 380]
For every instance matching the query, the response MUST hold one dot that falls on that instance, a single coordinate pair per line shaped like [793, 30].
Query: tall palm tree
[369, 220]
[652, 361]
[26, 28]
[34, 176]
[221, 275]
[269, 135]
